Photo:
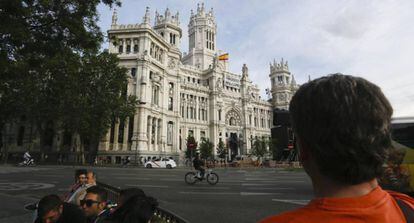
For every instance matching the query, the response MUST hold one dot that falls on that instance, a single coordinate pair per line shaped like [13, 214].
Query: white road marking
[300, 202]
[143, 185]
[132, 178]
[209, 193]
[256, 193]
[227, 193]
[268, 188]
[14, 186]
[211, 187]
[251, 184]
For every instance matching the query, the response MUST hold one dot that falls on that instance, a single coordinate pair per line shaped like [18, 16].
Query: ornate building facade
[187, 94]
[180, 94]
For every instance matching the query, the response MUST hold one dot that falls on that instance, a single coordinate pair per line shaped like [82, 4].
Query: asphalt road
[242, 195]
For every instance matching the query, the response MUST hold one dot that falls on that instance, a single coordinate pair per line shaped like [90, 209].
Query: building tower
[202, 32]
[168, 26]
[283, 84]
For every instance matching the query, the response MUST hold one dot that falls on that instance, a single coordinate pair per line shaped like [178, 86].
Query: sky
[370, 39]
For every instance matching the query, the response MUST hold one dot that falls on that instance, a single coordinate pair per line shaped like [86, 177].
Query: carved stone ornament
[172, 63]
[219, 84]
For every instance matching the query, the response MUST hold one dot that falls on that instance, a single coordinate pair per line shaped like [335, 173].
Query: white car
[161, 163]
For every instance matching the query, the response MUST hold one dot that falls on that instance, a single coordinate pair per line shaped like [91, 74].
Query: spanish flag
[224, 56]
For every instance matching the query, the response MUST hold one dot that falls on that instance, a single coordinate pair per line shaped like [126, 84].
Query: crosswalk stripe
[300, 202]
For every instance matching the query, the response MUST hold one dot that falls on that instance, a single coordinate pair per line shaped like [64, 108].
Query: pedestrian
[80, 193]
[51, 209]
[80, 179]
[94, 205]
[342, 126]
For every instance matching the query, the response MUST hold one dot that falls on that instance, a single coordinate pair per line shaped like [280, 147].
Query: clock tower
[283, 84]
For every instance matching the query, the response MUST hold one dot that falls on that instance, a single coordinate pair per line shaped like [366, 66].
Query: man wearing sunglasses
[94, 204]
[51, 209]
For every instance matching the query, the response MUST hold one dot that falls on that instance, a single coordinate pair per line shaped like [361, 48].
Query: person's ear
[102, 205]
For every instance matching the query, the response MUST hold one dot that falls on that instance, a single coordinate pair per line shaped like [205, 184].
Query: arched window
[170, 103]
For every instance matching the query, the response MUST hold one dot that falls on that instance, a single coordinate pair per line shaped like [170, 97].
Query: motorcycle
[29, 162]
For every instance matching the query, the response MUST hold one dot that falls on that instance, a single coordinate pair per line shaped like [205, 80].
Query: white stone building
[187, 94]
[179, 94]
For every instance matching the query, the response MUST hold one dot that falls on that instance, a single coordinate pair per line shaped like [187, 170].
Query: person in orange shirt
[342, 125]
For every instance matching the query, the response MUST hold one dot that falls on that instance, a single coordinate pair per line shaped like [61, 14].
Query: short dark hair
[345, 123]
[93, 173]
[79, 172]
[48, 203]
[127, 193]
[101, 192]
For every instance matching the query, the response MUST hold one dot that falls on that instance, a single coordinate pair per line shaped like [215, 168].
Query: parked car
[161, 163]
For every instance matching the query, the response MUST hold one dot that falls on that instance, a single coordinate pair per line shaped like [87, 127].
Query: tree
[259, 148]
[42, 45]
[221, 150]
[206, 148]
[191, 147]
[98, 97]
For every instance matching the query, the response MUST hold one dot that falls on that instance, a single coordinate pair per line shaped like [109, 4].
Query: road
[242, 195]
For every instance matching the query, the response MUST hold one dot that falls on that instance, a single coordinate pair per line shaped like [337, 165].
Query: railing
[161, 215]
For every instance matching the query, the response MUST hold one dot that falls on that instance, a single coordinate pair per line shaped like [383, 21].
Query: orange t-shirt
[378, 206]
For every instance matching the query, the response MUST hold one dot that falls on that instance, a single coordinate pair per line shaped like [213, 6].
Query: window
[171, 87]
[20, 136]
[111, 138]
[121, 131]
[191, 133]
[120, 49]
[219, 115]
[131, 128]
[250, 119]
[155, 94]
[280, 79]
[133, 71]
[128, 49]
[170, 103]
[135, 48]
[202, 134]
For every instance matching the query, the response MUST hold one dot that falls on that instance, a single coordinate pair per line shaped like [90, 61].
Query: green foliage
[206, 148]
[191, 150]
[52, 71]
[259, 147]
[221, 150]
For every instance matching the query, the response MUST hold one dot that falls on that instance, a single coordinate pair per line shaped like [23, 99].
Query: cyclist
[27, 157]
[198, 165]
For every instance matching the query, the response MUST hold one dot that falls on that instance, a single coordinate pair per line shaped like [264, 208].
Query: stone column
[149, 133]
[155, 126]
[116, 133]
[126, 131]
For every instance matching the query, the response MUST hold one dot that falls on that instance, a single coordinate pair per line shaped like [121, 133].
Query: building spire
[114, 17]
[245, 71]
[146, 18]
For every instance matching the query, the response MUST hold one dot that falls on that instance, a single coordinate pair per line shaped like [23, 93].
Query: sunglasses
[88, 203]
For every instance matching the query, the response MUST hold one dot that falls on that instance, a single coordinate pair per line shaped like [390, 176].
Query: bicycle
[211, 177]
